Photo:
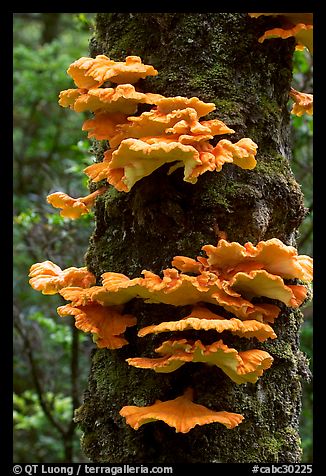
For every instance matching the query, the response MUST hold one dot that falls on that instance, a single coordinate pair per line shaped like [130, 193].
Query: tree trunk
[51, 23]
[216, 57]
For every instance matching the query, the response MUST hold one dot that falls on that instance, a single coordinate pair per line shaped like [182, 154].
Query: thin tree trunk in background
[216, 57]
[50, 28]
[74, 372]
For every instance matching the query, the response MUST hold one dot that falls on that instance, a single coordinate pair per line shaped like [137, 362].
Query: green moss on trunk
[216, 57]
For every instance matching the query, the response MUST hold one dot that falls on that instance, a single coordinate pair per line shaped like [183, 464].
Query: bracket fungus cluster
[172, 131]
[299, 26]
[231, 275]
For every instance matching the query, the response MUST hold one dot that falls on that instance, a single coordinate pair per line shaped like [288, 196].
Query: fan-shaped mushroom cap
[93, 72]
[135, 158]
[303, 103]
[242, 154]
[262, 283]
[71, 207]
[50, 278]
[106, 323]
[180, 413]
[89, 73]
[123, 99]
[74, 207]
[275, 257]
[247, 328]
[241, 367]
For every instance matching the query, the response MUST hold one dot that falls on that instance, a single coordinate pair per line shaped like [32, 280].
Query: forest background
[51, 358]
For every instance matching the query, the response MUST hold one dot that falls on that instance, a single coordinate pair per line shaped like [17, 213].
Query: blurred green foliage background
[52, 358]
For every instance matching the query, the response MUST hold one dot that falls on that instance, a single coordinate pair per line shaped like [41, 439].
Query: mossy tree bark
[216, 57]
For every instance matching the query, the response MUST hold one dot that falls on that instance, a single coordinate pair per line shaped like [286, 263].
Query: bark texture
[216, 57]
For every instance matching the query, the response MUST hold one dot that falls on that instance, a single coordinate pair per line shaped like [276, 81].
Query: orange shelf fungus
[241, 367]
[230, 272]
[154, 124]
[93, 72]
[74, 207]
[178, 290]
[180, 413]
[49, 278]
[107, 324]
[298, 25]
[170, 132]
[90, 73]
[227, 258]
[242, 154]
[303, 103]
[253, 270]
[197, 320]
[123, 99]
[261, 283]
[135, 159]
[230, 277]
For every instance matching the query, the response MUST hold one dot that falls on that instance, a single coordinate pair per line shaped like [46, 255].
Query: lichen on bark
[216, 57]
